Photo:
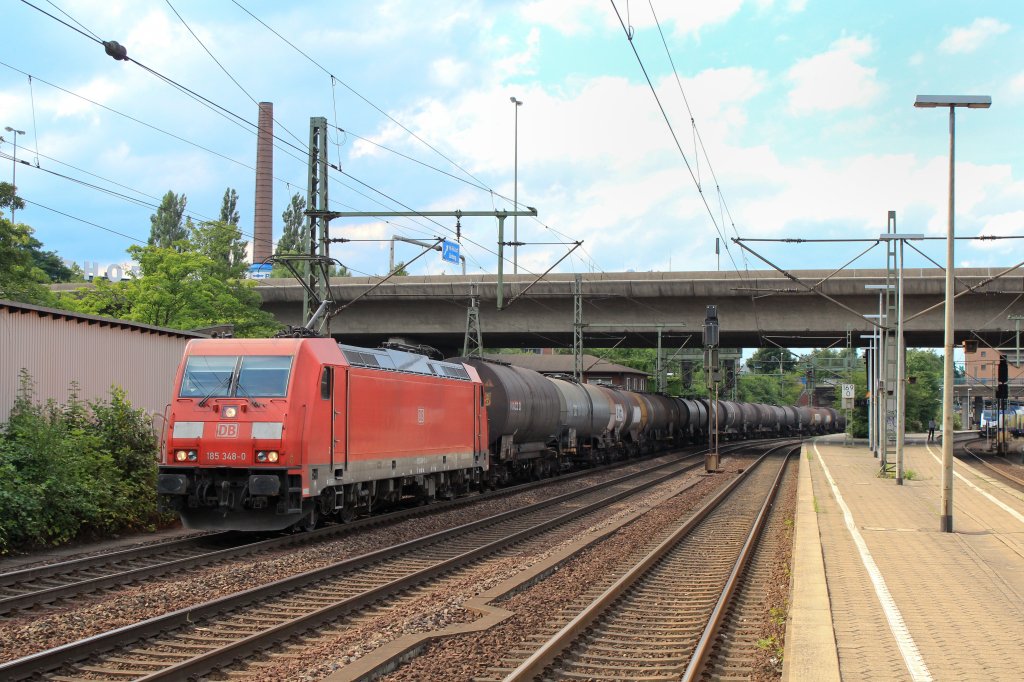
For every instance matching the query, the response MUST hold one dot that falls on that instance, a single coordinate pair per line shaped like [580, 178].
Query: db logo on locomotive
[227, 430]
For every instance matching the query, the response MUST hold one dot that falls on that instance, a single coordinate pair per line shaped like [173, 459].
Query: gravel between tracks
[776, 598]
[460, 657]
[27, 632]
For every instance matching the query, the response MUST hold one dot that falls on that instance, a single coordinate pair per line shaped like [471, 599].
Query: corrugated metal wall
[97, 355]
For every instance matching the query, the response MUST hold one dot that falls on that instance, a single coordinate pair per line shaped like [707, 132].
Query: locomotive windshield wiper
[245, 394]
[206, 398]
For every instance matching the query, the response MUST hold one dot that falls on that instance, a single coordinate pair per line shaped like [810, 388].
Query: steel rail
[563, 639]
[1004, 474]
[698, 660]
[99, 562]
[90, 562]
[237, 650]
[51, 659]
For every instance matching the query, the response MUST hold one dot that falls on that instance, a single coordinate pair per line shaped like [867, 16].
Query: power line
[83, 220]
[357, 93]
[629, 36]
[224, 69]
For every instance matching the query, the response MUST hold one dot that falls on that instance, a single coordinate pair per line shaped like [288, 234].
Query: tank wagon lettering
[227, 430]
[515, 405]
[620, 414]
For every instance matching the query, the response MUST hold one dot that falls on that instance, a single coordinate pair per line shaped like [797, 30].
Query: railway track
[199, 639]
[51, 583]
[660, 620]
[1004, 469]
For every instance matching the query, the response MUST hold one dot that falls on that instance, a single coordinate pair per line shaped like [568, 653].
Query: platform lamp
[515, 190]
[931, 102]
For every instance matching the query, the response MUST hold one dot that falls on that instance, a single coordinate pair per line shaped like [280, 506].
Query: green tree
[182, 289]
[21, 278]
[223, 243]
[924, 369]
[9, 197]
[772, 361]
[228, 206]
[292, 236]
[167, 224]
[294, 224]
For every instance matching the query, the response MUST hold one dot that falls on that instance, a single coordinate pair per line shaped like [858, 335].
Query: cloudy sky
[802, 123]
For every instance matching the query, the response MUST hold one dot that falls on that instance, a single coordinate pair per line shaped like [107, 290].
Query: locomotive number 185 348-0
[215, 456]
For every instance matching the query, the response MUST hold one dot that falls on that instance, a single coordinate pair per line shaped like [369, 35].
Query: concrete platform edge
[810, 649]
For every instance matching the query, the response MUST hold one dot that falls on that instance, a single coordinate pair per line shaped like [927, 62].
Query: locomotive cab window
[246, 376]
[326, 381]
[208, 376]
[264, 376]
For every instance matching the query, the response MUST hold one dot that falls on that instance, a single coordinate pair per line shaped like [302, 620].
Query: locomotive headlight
[192, 455]
[272, 456]
[181, 455]
[261, 456]
[230, 412]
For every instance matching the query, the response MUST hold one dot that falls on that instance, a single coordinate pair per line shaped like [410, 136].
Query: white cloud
[834, 80]
[447, 71]
[916, 59]
[573, 17]
[969, 39]
[1016, 86]
[1000, 225]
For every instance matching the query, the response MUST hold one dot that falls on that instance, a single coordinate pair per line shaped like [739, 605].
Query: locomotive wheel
[309, 521]
[347, 514]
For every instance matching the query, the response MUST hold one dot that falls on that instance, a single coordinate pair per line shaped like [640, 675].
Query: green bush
[74, 471]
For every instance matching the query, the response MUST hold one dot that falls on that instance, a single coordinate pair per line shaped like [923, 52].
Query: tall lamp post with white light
[14, 163]
[515, 192]
[930, 102]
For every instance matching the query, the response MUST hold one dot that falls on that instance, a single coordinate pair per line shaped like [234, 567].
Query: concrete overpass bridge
[756, 309]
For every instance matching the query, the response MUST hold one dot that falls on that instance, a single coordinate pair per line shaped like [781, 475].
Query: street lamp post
[14, 164]
[515, 192]
[951, 101]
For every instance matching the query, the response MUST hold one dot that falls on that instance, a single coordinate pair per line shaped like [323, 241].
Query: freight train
[267, 434]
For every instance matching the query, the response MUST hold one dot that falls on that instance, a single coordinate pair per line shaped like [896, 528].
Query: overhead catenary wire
[120, 53]
[700, 191]
[476, 182]
[224, 69]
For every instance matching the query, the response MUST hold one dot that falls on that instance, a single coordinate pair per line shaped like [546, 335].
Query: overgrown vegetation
[79, 470]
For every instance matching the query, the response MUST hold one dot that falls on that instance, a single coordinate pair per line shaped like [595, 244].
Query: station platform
[880, 593]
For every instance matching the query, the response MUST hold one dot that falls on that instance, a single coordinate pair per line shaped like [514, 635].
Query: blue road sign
[260, 270]
[450, 252]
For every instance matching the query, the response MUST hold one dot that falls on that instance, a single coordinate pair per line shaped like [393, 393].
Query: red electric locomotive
[264, 434]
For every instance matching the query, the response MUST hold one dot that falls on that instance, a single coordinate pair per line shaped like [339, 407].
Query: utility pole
[577, 328]
[473, 344]
[713, 375]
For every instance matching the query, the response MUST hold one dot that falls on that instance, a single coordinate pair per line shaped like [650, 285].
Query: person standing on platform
[931, 429]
